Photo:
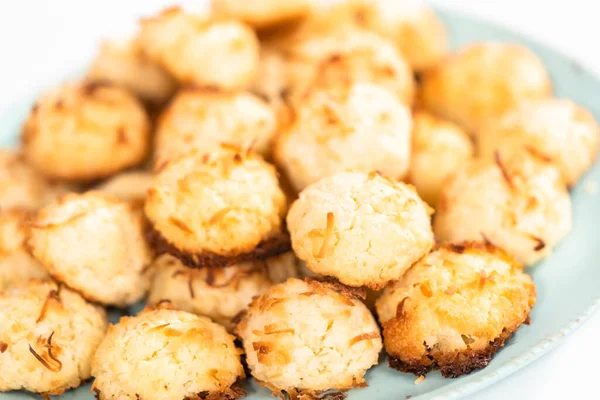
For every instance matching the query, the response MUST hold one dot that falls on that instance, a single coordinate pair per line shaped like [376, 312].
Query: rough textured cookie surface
[454, 309]
[48, 337]
[16, 264]
[439, 148]
[99, 129]
[208, 208]
[218, 293]
[304, 337]
[167, 354]
[518, 203]
[362, 229]
[347, 57]
[556, 129]
[359, 128]
[203, 119]
[123, 64]
[199, 50]
[482, 81]
[95, 244]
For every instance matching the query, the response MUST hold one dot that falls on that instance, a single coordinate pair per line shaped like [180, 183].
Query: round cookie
[99, 129]
[362, 229]
[48, 337]
[217, 209]
[21, 186]
[304, 337]
[411, 24]
[556, 129]
[482, 81]
[454, 309]
[199, 50]
[520, 204]
[95, 244]
[16, 264]
[167, 354]
[218, 293]
[439, 148]
[203, 119]
[122, 64]
[347, 57]
[262, 13]
[129, 186]
[358, 128]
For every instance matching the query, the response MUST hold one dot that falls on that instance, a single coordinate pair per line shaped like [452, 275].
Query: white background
[42, 41]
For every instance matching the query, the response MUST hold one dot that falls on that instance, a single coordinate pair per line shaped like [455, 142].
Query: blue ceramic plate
[567, 282]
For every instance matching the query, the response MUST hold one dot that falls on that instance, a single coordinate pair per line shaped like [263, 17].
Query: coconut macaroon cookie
[454, 309]
[482, 81]
[347, 57]
[123, 64]
[362, 229]
[305, 337]
[16, 264]
[262, 13]
[200, 50]
[439, 148]
[218, 293]
[95, 244]
[48, 337]
[411, 24]
[167, 354]
[129, 186]
[520, 204]
[556, 129]
[21, 186]
[203, 119]
[360, 128]
[217, 209]
[99, 129]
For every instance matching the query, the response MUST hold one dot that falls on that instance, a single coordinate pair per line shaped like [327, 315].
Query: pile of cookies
[292, 187]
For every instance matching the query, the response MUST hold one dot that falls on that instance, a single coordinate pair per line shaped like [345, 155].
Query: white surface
[41, 41]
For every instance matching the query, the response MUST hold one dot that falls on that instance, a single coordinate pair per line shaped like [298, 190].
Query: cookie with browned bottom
[217, 209]
[168, 354]
[306, 337]
[454, 309]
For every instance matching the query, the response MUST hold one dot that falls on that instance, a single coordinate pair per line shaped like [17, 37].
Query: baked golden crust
[123, 64]
[454, 309]
[345, 58]
[49, 335]
[439, 149]
[306, 337]
[16, 264]
[200, 50]
[218, 293]
[184, 356]
[558, 130]
[100, 129]
[519, 203]
[482, 81]
[203, 119]
[218, 208]
[358, 128]
[362, 229]
[95, 244]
